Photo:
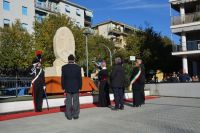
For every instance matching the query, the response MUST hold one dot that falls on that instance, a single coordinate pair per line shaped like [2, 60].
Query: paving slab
[160, 115]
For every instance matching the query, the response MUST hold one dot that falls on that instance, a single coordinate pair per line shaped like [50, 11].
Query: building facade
[80, 15]
[115, 31]
[186, 24]
[27, 11]
[23, 10]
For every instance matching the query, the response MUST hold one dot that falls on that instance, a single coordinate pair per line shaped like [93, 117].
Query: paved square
[160, 115]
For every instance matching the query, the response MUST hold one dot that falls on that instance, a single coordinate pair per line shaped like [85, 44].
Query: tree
[15, 48]
[97, 48]
[154, 49]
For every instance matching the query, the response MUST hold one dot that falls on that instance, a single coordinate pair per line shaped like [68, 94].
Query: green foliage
[97, 48]
[45, 31]
[15, 47]
[154, 49]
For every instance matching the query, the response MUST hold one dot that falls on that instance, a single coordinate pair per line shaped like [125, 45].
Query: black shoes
[121, 108]
[69, 118]
[136, 105]
[75, 118]
[115, 109]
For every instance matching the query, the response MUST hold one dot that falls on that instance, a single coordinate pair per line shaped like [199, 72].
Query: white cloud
[125, 2]
[132, 4]
[128, 7]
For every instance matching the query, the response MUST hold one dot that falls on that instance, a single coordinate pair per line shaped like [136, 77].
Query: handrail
[188, 18]
[190, 46]
[47, 6]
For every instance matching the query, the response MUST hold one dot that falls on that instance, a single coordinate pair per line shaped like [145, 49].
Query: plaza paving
[160, 115]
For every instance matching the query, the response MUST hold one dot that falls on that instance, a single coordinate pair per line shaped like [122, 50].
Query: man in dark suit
[117, 79]
[72, 82]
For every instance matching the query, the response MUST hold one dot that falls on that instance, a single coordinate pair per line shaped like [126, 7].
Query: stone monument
[63, 45]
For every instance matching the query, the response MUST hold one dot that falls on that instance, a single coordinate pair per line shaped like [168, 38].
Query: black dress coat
[136, 88]
[117, 77]
[104, 98]
[71, 79]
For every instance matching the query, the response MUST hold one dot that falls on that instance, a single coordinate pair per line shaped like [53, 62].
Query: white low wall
[175, 89]
[28, 105]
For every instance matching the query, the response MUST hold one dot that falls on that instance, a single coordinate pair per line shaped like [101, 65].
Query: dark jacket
[117, 77]
[184, 77]
[142, 77]
[71, 79]
[40, 81]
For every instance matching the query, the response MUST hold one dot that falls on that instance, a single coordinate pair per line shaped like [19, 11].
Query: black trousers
[104, 98]
[137, 96]
[38, 97]
[142, 94]
[72, 105]
[119, 97]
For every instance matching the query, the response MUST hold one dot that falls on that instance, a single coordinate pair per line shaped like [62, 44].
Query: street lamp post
[87, 32]
[109, 52]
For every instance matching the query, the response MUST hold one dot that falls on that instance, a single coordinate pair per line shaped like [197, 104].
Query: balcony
[47, 6]
[87, 23]
[117, 42]
[116, 31]
[188, 18]
[191, 46]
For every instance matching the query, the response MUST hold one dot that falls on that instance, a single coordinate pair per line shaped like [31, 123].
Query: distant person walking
[104, 98]
[117, 79]
[71, 81]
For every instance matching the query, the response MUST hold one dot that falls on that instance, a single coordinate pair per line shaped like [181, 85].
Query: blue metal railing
[190, 46]
[14, 86]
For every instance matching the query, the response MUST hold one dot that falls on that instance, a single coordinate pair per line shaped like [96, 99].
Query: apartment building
[116, 31]
[23, 10]
[80, 15]
[27, 11]
[186, 24]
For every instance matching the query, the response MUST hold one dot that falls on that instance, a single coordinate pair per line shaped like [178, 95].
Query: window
[25, 25]
[78, 12]
[24, 10]
[39, 17]
[67, 8]
[78, 24]
[6, 5]
[6, 22]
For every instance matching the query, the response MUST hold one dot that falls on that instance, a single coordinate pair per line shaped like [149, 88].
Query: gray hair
[118, 60]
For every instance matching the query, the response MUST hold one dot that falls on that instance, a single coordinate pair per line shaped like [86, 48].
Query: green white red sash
[134, 79]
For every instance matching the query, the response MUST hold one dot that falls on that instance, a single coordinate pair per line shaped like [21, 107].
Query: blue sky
[137, 13]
